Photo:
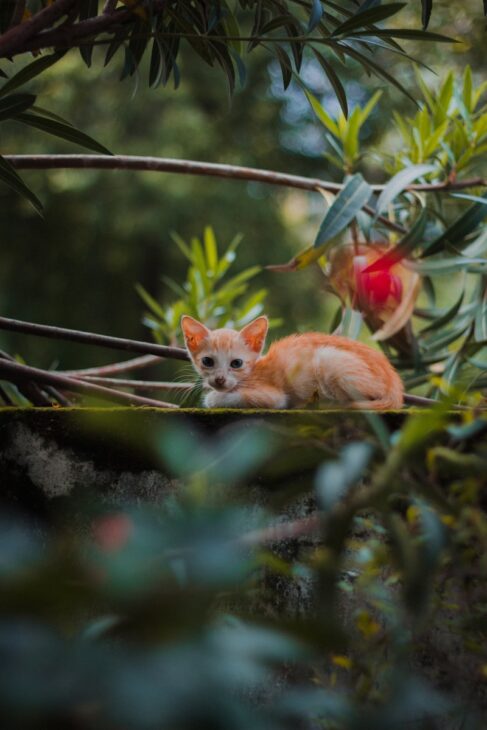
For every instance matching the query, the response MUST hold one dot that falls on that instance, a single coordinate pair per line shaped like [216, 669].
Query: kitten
[297, 370]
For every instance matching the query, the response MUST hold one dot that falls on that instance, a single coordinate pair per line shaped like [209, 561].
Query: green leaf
[366, 17]
[285, 64]
[467, 89]
[464, 224]
[398, 183]
[426, 8]
[10, 177]
[315, 15]
[322, 115]
[347, 204]
[62, 130]
[374, 68]
[29, 72]
[405, 33]
[335, 478]
[211, 249]
[369, 107]
[447, 265]
[447, 317]
[405, 246]
[15, 104]
[334, 81]
[480, 331]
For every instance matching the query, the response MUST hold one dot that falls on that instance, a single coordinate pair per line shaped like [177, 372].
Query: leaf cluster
[207, 294]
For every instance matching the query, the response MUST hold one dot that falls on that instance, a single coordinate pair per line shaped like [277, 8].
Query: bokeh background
[104, 232]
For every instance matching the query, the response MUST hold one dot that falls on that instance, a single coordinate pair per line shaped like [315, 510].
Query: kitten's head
[224, 357]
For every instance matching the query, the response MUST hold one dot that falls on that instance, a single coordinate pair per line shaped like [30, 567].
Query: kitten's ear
[254, 334]
[194, 332]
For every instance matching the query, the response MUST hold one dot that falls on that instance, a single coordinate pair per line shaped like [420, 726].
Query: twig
[72, 35]
[136, 363]
[23, 373]
[135, 384]
[29, 390]
[283, 531]
[183, 167]
[89, 338]
[193, 167]
[14, 39]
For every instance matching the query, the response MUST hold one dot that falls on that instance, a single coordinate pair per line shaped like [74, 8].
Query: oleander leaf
[355, 194]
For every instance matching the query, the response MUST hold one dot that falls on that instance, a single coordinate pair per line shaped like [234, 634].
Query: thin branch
[184, 167]
[28, 389]
[69, 36]
[283, 531]
[229, 172]
[193, 167]
[136, 363]
[14, 39]
[135, 384]
[23, 373]
[89, 338]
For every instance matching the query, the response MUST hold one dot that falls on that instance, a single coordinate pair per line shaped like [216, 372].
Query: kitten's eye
[236, 363]
[208, 362]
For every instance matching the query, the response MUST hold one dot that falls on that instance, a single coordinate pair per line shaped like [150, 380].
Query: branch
[31, 391]
[118, 367]
[89, 338]
[72, 35]
[184, 167]
[13, 40]
[23, 373]
[135, 384]
[229, 172]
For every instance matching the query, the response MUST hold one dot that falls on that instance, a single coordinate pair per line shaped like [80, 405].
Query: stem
[14, 39]
[184, 167]
[135, 384]
[89, 338]
[118, 367]
[23, 373]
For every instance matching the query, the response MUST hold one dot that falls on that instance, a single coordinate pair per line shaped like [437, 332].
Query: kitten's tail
[392, 400]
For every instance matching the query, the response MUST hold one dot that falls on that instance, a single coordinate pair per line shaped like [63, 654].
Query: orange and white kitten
[296, 371]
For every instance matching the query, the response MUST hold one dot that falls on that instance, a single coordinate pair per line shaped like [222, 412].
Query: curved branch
[90, 338]
[22, 373]
[211, 169]
[136, 363]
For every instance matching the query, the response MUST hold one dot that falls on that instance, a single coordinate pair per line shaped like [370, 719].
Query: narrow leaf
[315, 15]
[29, 72]
[399, 182]
[347, 204]
[464, 224]
[15, 104]
[366, 17]
[62, 130]
[10, 177]
[426, 8]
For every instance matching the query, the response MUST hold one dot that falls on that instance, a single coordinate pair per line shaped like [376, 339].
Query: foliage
[180, 616]
[215, 33]
[205, 294]
[377, 273]
[21, 107]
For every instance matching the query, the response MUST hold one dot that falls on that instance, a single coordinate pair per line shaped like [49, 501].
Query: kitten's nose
[220, 381]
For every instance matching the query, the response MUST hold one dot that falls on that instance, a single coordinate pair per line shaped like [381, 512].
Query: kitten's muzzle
[219, 383]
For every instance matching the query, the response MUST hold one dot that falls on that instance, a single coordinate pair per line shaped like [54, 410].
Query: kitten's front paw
[216, 399]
